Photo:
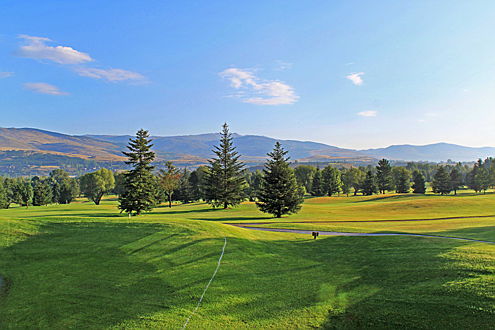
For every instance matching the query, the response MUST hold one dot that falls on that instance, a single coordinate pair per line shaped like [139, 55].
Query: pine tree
[384, 176]
[224, 180]
[139, 184]
[441, 182]
[419, 185]
[280, 193]
[401, 179]
[455, 179]
[332, 182]
[317, 184]
[369, 185]
[25, 192]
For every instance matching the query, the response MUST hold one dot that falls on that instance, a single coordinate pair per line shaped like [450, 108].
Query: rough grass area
[86, 266]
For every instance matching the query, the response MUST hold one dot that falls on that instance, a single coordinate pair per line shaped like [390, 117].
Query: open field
[87, 266]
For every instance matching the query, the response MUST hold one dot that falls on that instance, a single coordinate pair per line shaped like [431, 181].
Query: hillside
[432, 152]
[29, 151]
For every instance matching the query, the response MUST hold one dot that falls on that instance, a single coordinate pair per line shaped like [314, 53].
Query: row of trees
[222, 183]
[58, 187]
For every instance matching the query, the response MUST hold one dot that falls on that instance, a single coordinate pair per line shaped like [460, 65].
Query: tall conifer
[139, 183]
[280, 193]
[224, 180]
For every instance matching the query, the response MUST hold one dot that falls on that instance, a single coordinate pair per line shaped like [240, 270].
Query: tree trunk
[225, 205]
[170, 200]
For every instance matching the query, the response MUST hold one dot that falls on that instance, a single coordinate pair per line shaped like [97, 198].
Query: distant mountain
[29, 151]
[253, 148]
[30, 139]
[432, 152]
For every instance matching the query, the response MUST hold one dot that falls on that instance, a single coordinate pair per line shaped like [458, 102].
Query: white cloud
[356, 78]
[44, 88]
[254, 90]
[37, 48]
[110, 74]
[283, 65]
[6, 74]
[369, 113]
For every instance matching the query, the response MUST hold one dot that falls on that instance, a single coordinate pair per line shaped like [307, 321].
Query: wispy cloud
[110, 74]
[283, 65]
[44, 88]
[6, 74]
[369, 113]
[356, 78]
[251, 89]
[37, 48]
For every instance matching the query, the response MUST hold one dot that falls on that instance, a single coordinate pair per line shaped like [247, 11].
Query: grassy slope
[88, 267]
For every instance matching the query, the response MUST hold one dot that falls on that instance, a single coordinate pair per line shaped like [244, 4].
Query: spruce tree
[184, 192]
[139, 183]
[317, 184]
[419, 186]
[280, 193]
[402, 180]
[441, 181]
[224, 180]
[369, 185]
[384, 176]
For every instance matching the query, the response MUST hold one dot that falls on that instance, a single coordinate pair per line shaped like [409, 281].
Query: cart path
[338, 233]
[359, 221]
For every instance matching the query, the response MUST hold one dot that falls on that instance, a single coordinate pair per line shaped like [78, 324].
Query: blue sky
[354, 74]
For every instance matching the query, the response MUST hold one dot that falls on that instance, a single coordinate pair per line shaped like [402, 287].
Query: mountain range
[22, 145]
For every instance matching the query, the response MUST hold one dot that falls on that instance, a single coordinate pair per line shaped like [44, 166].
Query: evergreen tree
[280, 194]
[169, 180]
[197, 182]
[332, 182]
[482, 179]
[317, 184]
[139, 184]
[419, 185]
[455, 179]
[369, 185]
[441, 181]
[42, 193]
[384, 176]
[184, 192]
[224, 179]
[401, 179]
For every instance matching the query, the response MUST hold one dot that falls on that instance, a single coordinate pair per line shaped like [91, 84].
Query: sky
[353, 74]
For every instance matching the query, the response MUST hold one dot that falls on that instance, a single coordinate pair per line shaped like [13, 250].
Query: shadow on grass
[98, 275]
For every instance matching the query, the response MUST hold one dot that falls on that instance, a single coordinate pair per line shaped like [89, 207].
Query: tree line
[277, 189]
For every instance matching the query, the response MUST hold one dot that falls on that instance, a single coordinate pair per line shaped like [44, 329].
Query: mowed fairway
[87, 266]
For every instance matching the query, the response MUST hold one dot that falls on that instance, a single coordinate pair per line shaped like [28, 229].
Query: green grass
[87, 266]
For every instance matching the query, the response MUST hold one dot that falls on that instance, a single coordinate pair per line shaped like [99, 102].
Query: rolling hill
[28, 151]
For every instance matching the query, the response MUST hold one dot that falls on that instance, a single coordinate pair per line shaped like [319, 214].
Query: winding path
[338, 233]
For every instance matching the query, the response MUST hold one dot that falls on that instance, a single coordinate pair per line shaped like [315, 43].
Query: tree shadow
[73, 270]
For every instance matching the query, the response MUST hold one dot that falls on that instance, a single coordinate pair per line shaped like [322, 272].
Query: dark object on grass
[315, 234]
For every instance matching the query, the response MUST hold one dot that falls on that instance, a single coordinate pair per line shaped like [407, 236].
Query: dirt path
[338, 233]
